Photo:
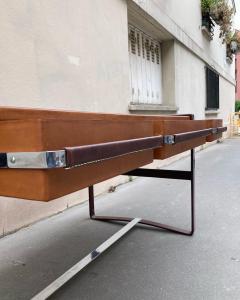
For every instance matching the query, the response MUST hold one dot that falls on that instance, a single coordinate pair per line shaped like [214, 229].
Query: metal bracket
[169, 139]
[214, 131]
[79, 155]
[33, 160]
[70, 273]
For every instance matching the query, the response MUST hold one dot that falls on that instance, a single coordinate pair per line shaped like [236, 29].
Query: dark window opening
[212, 84]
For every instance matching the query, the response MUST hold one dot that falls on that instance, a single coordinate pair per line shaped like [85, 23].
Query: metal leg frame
[171, 174]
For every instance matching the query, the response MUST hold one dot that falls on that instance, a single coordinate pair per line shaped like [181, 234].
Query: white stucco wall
[187, 14]
[190, 82]
[227, 104]
[191, 87]
[64, 54]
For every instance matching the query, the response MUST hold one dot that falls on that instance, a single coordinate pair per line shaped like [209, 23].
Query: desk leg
[192, 191]
[171, 174]
[69, 274]
[182, 175]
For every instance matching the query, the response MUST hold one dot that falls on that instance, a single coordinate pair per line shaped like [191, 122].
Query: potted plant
[207, 23]
[207, 5]
[232, 44]
[221, 13]
[237, 106]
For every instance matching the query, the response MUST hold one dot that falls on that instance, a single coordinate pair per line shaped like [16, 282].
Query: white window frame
[145, 67]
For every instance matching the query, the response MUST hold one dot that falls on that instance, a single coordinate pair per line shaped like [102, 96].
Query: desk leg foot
[149, 222]
[69, 274]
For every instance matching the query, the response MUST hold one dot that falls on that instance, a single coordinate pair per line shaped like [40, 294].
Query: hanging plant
[234, 39]
[207, 22]
[207, 5]
[233, 43]
[222, 14]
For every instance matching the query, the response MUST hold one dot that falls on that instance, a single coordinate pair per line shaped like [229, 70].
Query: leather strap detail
[76, 156]
[181, 137]
[3, 160]
[221, 129]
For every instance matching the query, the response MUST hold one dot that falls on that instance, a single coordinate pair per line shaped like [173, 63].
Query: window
[145, 68]
[212, 83]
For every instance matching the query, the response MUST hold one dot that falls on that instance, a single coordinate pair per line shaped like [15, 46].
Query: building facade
[237, 73]
[118, 56]
[237, 63]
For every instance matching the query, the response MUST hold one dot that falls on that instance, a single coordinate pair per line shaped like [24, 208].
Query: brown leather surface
[80, 155]
[214, 123]
[173, 127]
[190, 135]
[222, 129]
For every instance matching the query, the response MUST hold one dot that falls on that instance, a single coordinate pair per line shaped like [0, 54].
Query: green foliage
[207, 5]
[237, 105]
[221, 13]
[229, 39]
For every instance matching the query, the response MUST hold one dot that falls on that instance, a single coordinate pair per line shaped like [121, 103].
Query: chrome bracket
[33, 160]
[214, 130]
[79, 266]
[169, 139]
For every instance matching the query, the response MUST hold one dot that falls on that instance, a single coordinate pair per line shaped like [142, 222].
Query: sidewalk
[147, 264]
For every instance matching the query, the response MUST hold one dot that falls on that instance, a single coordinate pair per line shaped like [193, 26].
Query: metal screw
[13, 160]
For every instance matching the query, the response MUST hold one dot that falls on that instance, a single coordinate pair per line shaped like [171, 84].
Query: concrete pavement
[146, 264]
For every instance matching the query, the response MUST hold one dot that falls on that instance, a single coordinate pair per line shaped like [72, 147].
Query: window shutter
[145, 67]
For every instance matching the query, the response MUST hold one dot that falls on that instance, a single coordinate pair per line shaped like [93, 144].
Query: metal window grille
[212, 89]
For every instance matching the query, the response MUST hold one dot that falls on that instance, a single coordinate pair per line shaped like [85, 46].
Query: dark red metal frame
[156, 173]
[170, 174]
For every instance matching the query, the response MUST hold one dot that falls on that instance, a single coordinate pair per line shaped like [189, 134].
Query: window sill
[152, 107]
[212, 112]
